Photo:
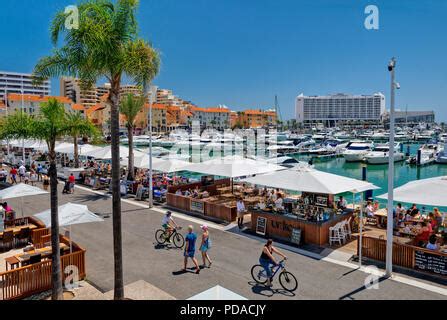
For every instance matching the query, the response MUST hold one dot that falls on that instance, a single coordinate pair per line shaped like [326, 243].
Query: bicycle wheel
[179, 241]
[258, 274]
[288, 281]
[160, 236]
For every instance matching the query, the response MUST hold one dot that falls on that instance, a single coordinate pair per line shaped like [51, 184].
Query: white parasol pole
[361, 232]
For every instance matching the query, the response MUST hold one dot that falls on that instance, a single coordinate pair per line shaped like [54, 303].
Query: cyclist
[168, 224]
[266, 259]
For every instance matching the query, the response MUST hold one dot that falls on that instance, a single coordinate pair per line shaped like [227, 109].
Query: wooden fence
[404, 255]
[25, 281]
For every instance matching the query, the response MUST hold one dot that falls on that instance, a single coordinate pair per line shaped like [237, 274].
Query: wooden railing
[403, 254]
[28, 280]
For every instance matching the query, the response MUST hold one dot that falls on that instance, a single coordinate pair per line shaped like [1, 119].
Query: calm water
[378, 174]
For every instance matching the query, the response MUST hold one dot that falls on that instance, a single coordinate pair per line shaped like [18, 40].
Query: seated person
[187, 193]
[341, 203]
[376, 205]
[370, 210]
[423, 233]
[255, 190]
[432, 243]
[261, 204]
[178, 192]
[205, 194]
[414, 211]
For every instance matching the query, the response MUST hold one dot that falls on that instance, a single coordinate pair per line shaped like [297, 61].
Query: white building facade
[339, 107]
[14, 82]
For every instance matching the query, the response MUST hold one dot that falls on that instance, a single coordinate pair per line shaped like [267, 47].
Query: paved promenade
[233, 256]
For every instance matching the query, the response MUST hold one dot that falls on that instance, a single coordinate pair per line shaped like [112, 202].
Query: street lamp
[390, 218]
[153, 93]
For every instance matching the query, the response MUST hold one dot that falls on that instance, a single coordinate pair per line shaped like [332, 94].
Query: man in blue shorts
[190, 249]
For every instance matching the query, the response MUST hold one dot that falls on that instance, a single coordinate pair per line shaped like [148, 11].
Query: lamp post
[6, 111]
[23, 140]
[153, 92]
[390, 218]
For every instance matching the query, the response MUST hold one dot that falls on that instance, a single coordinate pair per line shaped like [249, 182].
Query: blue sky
[243, 52]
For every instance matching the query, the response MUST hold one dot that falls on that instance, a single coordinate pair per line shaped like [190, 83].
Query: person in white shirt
[279, 203]
[3, 175]
[370, 209]
[342, 204]
[22, 171]
[240, 208]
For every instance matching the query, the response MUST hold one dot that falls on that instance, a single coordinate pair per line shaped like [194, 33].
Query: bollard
[419, 157]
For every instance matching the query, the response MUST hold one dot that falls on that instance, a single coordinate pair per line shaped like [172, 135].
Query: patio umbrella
[430, 192]
[69, 214]
[163, 165]
[82, 149]
[19, 191]
[106, 152]
[307, 179]
[232, 167]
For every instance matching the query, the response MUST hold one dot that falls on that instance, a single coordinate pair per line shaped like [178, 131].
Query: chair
[8, 239]
[347, 227]
[335, 235]
[24, 236]
[342, 230]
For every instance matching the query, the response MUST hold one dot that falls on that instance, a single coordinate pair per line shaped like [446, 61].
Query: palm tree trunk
[116, 196]
[76, 154]
[130, 174]
[56, 276]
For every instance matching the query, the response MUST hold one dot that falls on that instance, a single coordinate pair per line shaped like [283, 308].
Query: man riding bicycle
[266, 259]
[168, 224]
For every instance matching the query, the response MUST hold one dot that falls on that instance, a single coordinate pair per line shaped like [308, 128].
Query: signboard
[321, 201]
[295, 237]
[430, 262]
[197, 206]
[261, 225]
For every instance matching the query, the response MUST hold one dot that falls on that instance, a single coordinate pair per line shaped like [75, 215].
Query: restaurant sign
[198, 206]
[430, 262]
[295, 237]
[261, 225]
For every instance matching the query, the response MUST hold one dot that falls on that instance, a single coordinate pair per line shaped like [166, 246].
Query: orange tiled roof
[36, 98]
[78, 107]
[253, 112]
[216, 110]
[94, 108]
[173, 108]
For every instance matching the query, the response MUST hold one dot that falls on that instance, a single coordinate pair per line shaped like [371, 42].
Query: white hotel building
[339, 107]
[14, 82]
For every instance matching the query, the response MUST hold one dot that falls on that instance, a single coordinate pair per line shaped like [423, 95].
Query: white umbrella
[63, 146]
[164, 165]
[69, 214]
[106, 152]
[217, 293]
[232, 167]
[430, 192]
[83, 149]
[19, 191]
[307, 179]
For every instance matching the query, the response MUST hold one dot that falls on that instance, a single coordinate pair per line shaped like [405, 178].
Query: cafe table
[25, 256]
[16, 229]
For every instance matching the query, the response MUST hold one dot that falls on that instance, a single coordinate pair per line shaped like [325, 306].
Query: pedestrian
[33, 177]
[205, 246]
[46, 182]
[71, 180]
[22, 171]
[27, 177]
[13, 174]
[190, 249]
[3, 175]
[39, 172]
[240, 208]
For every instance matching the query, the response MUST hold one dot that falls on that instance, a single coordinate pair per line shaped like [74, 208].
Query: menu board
[295, 236]
[197, 206]
[430, 262]
[261, 225]
[321, 201]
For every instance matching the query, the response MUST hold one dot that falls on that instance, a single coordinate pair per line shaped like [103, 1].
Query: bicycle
[286, 279]
[161, 235]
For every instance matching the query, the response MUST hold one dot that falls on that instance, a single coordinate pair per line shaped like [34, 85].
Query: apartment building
[339, 107]
[255, 118]
[14, 82]
[30, 103]
[216, 118]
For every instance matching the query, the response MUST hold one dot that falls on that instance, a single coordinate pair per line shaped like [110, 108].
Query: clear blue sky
[243, 52]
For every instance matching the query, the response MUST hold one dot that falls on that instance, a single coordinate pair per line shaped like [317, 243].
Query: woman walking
[205, 246]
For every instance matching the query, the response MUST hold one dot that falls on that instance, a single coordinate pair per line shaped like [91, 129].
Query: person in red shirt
[71, 179]
[13, 174]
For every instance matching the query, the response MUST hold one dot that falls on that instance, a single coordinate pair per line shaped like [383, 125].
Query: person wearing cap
[190, 249]
[168, 224]
[205, 245]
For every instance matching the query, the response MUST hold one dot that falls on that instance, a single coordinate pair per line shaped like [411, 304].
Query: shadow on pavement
[265, 291]
[348, 296]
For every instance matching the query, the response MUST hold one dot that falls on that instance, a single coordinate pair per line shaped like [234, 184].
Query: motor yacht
[380, 154]
[357, 150]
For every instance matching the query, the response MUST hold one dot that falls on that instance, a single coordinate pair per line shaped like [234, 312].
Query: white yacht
[284, 161]
[357, 150]
[442, 154]
[380, 154]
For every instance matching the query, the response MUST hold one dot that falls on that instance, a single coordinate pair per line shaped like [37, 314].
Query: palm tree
[105, 44]
[79, 126]
[51, 123]
[130, 107]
